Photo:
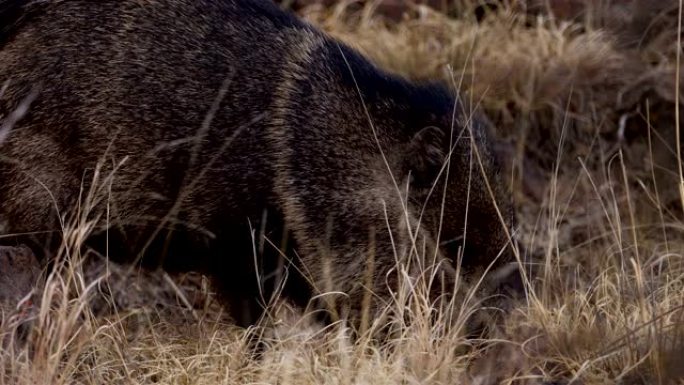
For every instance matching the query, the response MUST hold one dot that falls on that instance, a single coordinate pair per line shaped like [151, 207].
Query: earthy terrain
[584, 98]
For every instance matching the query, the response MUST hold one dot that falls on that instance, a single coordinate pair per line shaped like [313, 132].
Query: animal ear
[426, 155]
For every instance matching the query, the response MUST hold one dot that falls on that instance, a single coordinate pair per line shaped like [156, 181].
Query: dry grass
[587, 118]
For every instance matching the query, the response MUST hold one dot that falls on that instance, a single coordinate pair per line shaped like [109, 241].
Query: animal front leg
[19, 272]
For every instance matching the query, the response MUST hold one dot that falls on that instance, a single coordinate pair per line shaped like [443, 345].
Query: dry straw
[587, 111]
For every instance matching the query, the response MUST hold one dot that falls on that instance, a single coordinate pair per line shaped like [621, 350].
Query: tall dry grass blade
[677, 105]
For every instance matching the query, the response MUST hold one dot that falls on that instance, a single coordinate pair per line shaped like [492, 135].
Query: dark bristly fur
[221, 129]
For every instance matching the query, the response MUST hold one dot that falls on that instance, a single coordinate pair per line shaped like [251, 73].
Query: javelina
[209, 134]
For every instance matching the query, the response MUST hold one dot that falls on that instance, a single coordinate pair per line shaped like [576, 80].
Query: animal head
[453, 174]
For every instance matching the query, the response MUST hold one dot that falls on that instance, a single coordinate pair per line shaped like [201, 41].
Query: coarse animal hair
[232, 138]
